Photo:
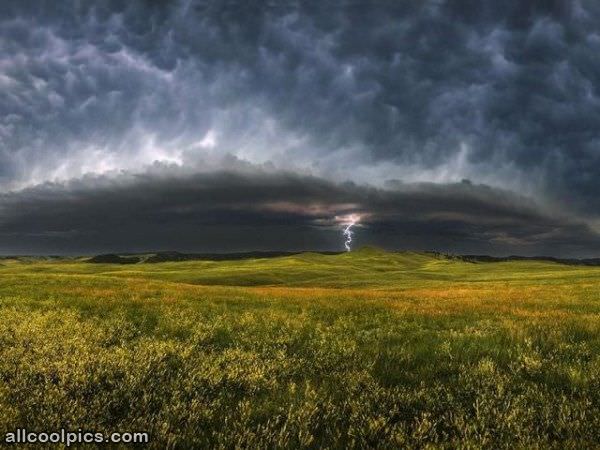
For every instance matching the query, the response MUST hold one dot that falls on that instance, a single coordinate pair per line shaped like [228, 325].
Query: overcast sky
[466, 126]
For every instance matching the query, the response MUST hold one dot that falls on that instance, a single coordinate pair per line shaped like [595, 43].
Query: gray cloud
[260, 209]
[428, 92]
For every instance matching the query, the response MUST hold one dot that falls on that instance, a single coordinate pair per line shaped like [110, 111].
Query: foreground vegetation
[361, 350]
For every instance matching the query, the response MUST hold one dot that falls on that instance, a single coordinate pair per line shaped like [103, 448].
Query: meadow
[361, 350]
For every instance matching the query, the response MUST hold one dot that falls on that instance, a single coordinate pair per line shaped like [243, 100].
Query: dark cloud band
[266, 210]
[502, 93]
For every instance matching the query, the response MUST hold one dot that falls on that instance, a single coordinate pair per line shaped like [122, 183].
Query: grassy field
[367, 349]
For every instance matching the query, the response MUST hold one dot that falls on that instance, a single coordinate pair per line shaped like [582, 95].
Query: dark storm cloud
[503, 93]
[258, 209]
[350, 87]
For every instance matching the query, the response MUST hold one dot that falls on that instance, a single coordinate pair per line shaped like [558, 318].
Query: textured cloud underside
[504, 94]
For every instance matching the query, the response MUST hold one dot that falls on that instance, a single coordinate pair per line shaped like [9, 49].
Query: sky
[466, 126]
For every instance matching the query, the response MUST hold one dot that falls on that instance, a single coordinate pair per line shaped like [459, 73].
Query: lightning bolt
[351, 220]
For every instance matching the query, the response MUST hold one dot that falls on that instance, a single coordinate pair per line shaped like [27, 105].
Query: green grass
[368, 349]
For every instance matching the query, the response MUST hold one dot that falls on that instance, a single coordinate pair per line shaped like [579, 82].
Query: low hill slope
[368, 267]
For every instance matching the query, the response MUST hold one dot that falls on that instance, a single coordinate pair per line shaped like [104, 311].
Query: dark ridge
[567, 261]
[33, 257]
[173, 256]
[114, 259]
[177, 256]
[491, 259]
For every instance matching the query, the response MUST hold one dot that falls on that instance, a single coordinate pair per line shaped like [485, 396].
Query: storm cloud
[230, 125]
[261, 209]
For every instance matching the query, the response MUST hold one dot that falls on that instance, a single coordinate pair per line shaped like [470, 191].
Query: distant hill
[160, 257]
[568, 261]
[114, 259]
[35, 258]
[173, 256]
[491, 259]
[176, 256]
[363, 267]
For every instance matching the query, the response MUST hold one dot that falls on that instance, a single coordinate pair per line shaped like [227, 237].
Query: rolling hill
[355, 350]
